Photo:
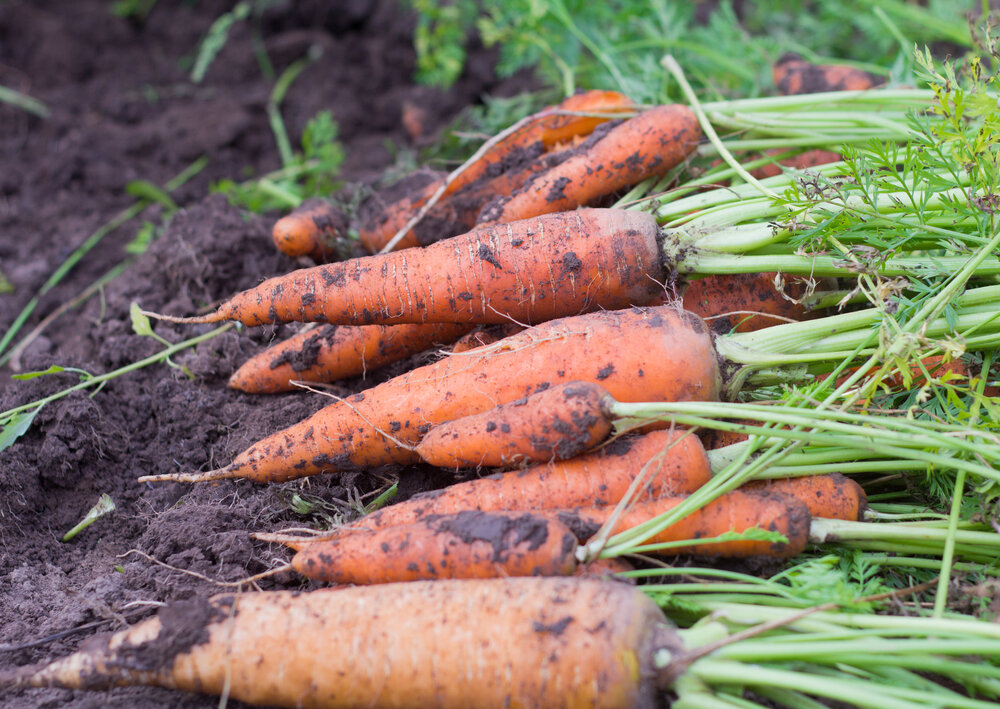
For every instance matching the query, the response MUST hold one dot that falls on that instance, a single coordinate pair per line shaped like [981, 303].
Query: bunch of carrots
[566, 323]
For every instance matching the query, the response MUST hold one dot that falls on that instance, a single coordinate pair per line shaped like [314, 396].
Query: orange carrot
[331, 353]
[555, 424]
[735, 511]
[467, 544]
[315, 228]
[802, 161]
[528, 271]
[449, 644]
[713, 438]
[537, 134]
[793, 75]
[744, 302]
[828, 496]
[670, 463]
[650, 144]
[368, 428]
[459, 212]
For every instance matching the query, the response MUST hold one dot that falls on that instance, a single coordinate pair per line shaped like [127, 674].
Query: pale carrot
[450, 644]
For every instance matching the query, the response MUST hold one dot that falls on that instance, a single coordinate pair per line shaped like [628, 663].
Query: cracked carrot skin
[547, 129]
[527, 271]
[450, 644]
[331, 353]
[669, 357]
[734, 511]
[466, 544]
[670, 462]
[556, 424]
[647, 145]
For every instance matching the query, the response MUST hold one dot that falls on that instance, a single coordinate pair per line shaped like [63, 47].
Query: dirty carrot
[650, 144]
[745, 302]
[331, 353]
[452, 644]
[832, 496]
[527, 271]
[793, 75]
[735, 511]
[368, 428]
[555, 424]
[531, 138]
[466, 544]
[477, 544]
[668, 463]
[459, 212]
[671, 356]
[315, 228]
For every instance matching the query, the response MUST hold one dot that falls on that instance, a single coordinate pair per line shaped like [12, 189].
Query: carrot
[474, 544]
[459, 212]
[368, 428]
[555, 424]
[670, 462]
[802, 161]
[713, 438]
[537, 134]
[451, 644]
[331, 353]
[793, 75]
[467, 544]
[528, 271]
[744, 302]
[484, 335]
[735, 511]
[315, 228]
[828, 496]
[650, 144]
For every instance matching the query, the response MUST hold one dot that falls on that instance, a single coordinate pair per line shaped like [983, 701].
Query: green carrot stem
[823, 531]
[66, 266]
[863, 694]
[102, 378]
[916, 562]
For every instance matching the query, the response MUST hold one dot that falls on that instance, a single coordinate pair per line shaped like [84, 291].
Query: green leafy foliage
[617, 44]
[312, 172]
[833, 579]
[16, 426]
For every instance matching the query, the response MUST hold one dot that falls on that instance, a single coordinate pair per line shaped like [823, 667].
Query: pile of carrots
[557, 308]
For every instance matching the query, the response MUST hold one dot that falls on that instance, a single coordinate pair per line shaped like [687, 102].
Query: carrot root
[555, 424]
[467, 544]
[458, 644]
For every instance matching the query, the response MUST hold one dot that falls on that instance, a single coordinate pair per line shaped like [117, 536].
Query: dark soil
[123, 108]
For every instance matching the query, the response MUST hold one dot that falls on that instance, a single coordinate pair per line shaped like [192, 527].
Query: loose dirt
[123, 108]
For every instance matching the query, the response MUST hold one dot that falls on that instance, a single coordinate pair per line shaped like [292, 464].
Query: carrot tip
[207, 476]
[194, 320]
